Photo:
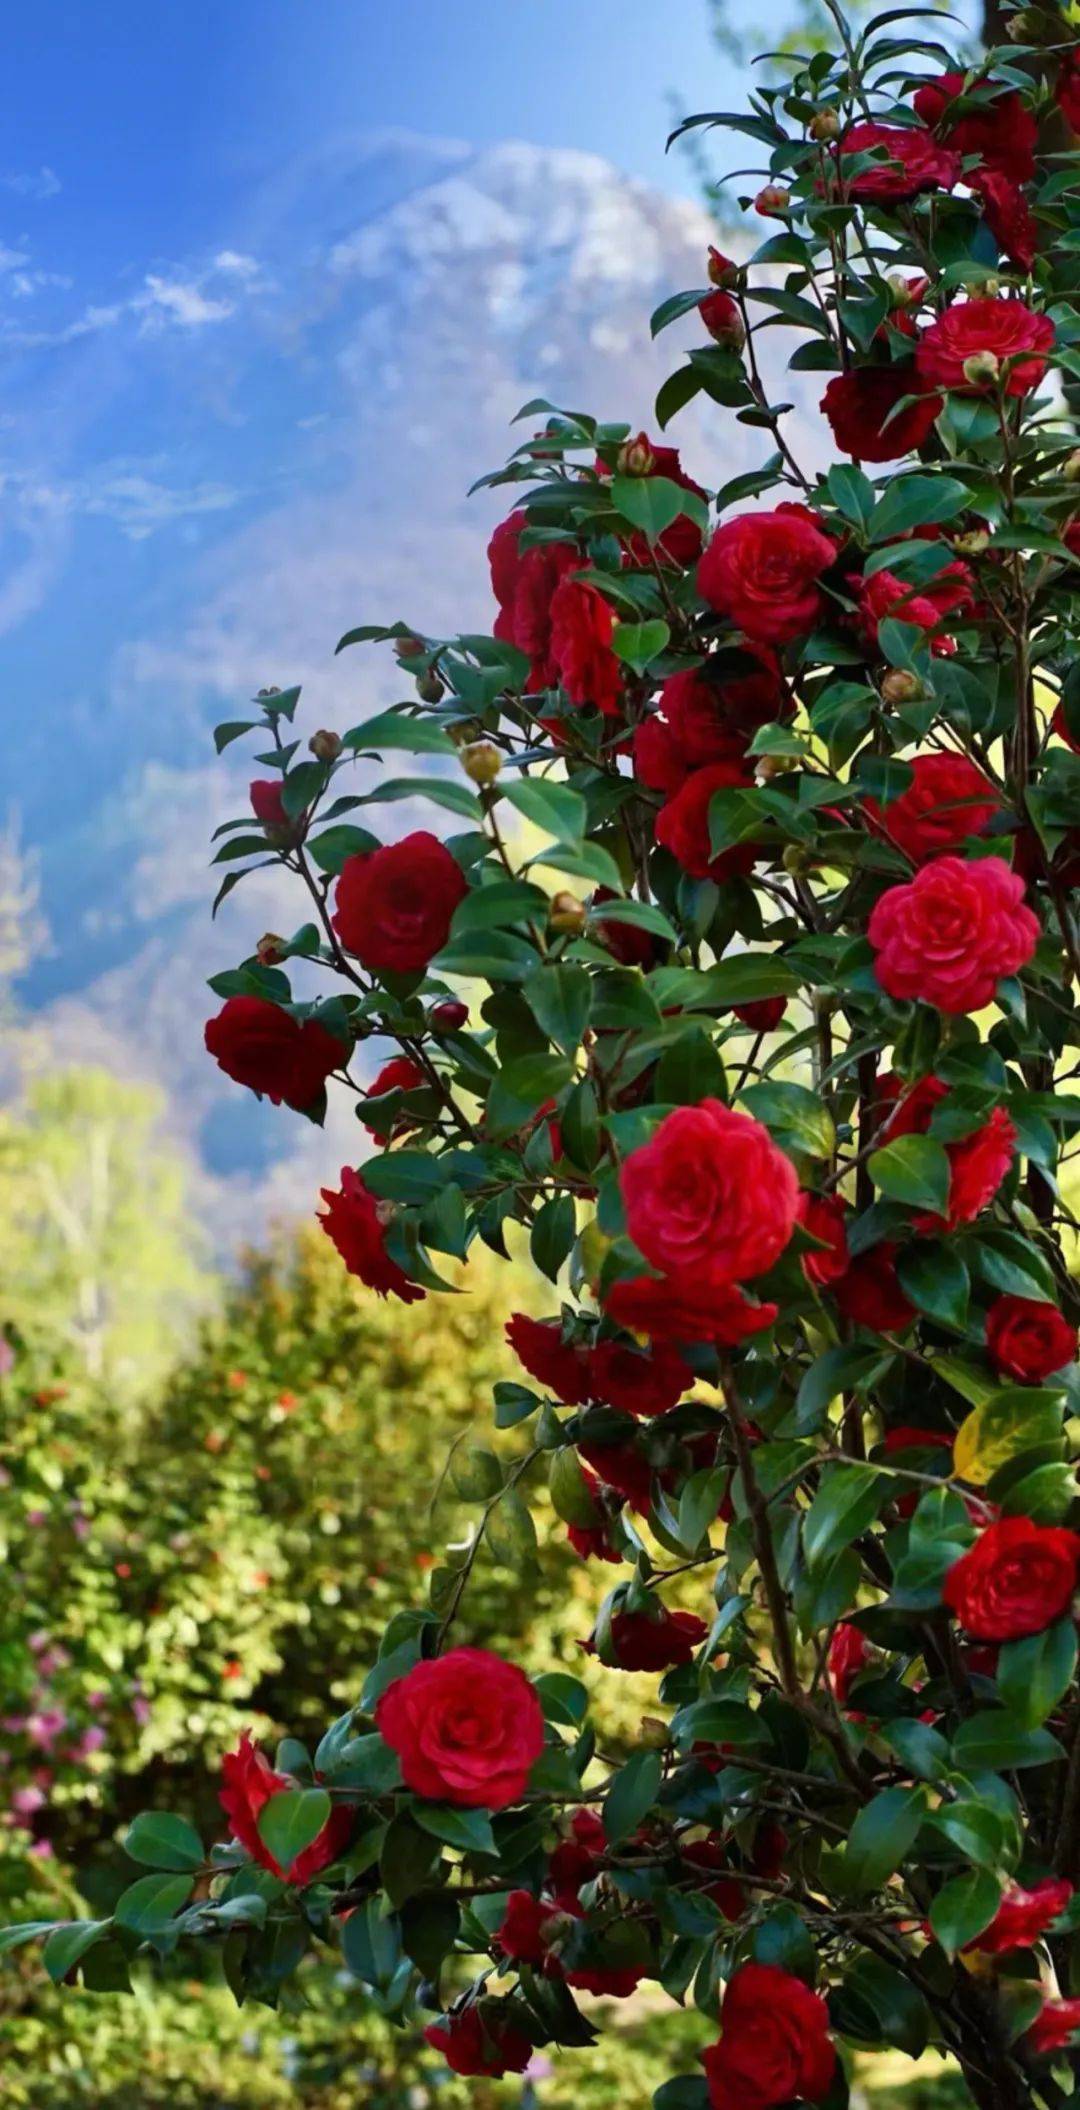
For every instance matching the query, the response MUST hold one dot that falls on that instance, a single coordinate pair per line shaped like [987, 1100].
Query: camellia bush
[761, 1027]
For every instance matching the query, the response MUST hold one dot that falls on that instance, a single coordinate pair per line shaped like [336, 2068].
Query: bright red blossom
[1015, 1580]
[947, 800]
[1057, 2021]
[1027, 1340]
[996, 123]
[711, 1197]
[1008, 216]
[637, 1383]
[353, 1224]
[908, 160]
[849, 1653]
[561, 1367]
[393, 906]
[682, 825]
[824, 1216]
[978, 1162]
[582, 623]
[250, 1783]
[640, 1642]
[1007, 328]
[763, 571]
[860, 407]
[676, 1308]
[266, 803]
[775, 2042]
[483, 2039]
[950, 936]
[281, 1057]
[1023, 1916]
[401, 1074]
[523, 584]
[869, 1293]
[467, 1728]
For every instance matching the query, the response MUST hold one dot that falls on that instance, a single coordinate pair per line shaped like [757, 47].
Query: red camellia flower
[775, 2043]
[711, 719]
[950, 936]
[401, 1074]
[523, 583]
[559, 1366]
[997, 123]
[393, 906]
[281, 1057]
[1057, 2021]
[354, 1225]
[592, 1542]
[977, 1163]
[1067, 89]
[721, 317]
[675, 1308]
[763, 1015]
[630, 944]
[681, 542]
[467, 1728]
[531, 1931]
[824, 1216]
[483, 2039]
[1023, 1915]
[947, 800]
[1027, 1340]
[582, 623]
[1007, 328]
[636, 1383]
[682, 825]
[910, 161]
[711, 1197]
[849, 1653]
[884, 594]
[576, 1860]
[763, 571]
[640, 1642]
[869, 1294]
[1007, 215]
[1016, 1579]
[250, 1783]
[858, 404]
[266, 803]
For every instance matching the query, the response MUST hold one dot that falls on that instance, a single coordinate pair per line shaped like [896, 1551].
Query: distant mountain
[411, 299]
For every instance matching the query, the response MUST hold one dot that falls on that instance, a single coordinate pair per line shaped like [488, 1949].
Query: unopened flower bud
[556, 1928]
[901, 686]
[722, 270]
[720, 314]
[901, 289]
[273, 690]
[770, 766]
[1023, 28]
[385, 1212]
[325, 745]
[409, 647]
[825, 125]
[566, 914]
[448, 1017]
[800, 863]
[269, 949]
[1071, 468]
[481, 761]
[972, 544]
[636, 457]
[653, 1734]
[429, 686]
[982, 369]
[991, 287]
[773, 199]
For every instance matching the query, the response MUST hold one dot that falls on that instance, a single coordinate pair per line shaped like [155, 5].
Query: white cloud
[32, 183]
[140, 504]
[11, 259]
[239, 266]
[180, 301]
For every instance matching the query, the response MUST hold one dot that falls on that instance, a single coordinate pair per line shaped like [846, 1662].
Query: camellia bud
[409, 647]
[982, 369]
[770, 766]
[773, 199]
[636, 457]
[825, 125]
[325, 745]
[972, 544]
[481, 761]
[901, 289]
[269, 949]
[429, 686]
[901, 686]
[653, 1734]
[1071, 469]
[722, 271]
[566, 914]
[448, 1017]
[723, 321]
[799, 862]
[273, 690]
[1023, 28]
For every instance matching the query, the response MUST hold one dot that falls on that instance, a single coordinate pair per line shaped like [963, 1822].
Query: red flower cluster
[1016, 1579]
[467, 1728]
[763, 571]
[950, 936]
[977, 1163]
[353, 1224]
[681, 542]
[775, 2043]
[393, 907]
[1027, 1340]
[869, 1292]
[612, 1373]
[1023, 1916]
[250, 1783]
[996, 122]
[582, 624]
[523, 582]
[824, 1216]
[948, 800]
[676, 1309]
[883, 594]
[710, 1200]
[281, 1057]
